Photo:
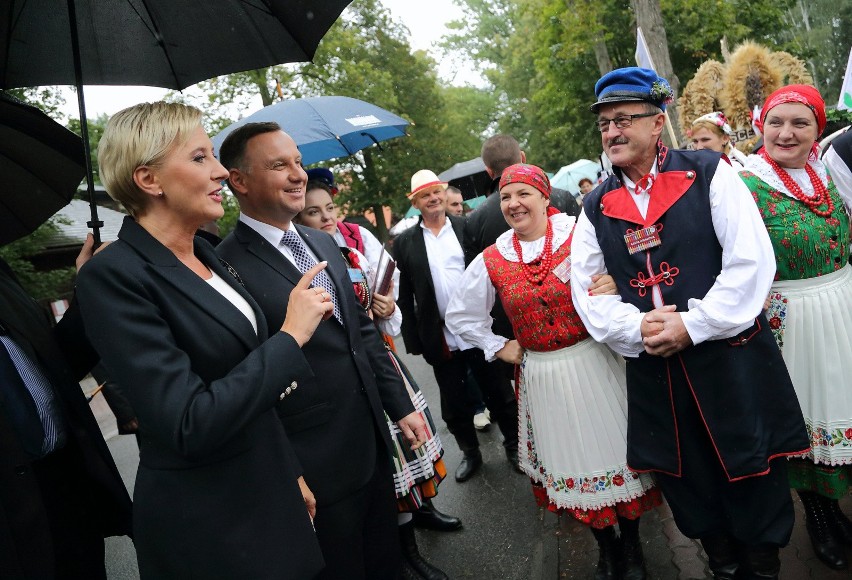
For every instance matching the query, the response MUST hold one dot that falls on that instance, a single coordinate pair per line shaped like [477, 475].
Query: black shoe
[632, 559]
[840, 524]
[825, 545]
[430, 518]
[760, 562]
[470, 464]
[723, 556]
[512, 456]
[607, 568]
[413, 562]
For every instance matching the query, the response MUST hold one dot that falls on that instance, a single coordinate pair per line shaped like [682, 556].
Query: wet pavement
[505, 536]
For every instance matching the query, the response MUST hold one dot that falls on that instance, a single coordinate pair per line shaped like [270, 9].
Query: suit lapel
[166, 265]
[418, 246]
[257, 245]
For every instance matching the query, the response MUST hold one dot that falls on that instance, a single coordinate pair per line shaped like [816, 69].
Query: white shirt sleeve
[607, 318]
[469, 310]
[748, 263]
[841, 174]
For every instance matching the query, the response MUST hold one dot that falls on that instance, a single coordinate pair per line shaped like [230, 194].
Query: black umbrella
[469, 176]
[41, 162]
[163, 43]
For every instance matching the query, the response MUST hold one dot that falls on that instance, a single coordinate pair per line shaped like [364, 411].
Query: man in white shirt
[431, 262]
[711, 409]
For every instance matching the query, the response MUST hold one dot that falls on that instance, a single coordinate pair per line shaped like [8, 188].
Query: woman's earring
[161, 194]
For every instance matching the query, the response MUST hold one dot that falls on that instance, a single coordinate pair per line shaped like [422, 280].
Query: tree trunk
[649, 18]
[371, 180]
[602, 56]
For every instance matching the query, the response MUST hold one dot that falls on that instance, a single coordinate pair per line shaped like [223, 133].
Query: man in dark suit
[336, 425]
[431, 262]
[60, 492]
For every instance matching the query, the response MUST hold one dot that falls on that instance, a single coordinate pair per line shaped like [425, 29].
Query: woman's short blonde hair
[137, 136]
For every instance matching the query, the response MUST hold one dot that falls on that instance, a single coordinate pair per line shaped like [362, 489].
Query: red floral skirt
[606, 516]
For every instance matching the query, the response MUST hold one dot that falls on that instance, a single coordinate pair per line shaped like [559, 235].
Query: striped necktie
[305, 262]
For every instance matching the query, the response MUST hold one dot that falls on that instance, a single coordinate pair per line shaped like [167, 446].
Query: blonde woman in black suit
[218, 493]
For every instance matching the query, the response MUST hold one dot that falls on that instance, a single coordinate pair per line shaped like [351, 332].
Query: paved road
[505, 536]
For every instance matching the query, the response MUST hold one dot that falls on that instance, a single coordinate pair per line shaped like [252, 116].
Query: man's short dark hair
[499, 152]
[233, 150]
[454, 189]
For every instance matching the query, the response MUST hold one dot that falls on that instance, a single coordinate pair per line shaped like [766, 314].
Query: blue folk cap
[632, 84]
[323, 175]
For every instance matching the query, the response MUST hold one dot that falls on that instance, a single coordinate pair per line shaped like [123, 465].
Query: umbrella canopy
[569, 176]
[469, 176]
[327, 127]
[163, 43]
[41, 162]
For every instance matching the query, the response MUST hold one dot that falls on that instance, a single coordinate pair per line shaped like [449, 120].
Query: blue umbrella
[327, 127]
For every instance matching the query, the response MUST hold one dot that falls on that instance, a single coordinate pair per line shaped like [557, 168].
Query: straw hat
[424, 179]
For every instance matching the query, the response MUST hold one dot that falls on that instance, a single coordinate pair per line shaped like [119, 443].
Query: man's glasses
[621, 122]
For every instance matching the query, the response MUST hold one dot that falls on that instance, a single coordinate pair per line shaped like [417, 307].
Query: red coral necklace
[536, 274]
[820, 196]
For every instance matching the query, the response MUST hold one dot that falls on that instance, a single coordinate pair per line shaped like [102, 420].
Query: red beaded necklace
[820, 196]
[536, 274]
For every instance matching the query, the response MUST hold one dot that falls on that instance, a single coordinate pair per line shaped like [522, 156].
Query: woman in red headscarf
[810, 309]
[572, 395]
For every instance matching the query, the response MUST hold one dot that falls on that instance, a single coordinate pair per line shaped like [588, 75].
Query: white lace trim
[563, 224]
[760, 167]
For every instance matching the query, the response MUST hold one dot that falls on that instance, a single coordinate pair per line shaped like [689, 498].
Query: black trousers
[497, 392]
[755, 510]
[358, 535]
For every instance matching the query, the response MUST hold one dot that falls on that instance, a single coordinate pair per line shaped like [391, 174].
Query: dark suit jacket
[333, 417]
[422, 325]
[485, 224]
[216, 493]
[25, 540]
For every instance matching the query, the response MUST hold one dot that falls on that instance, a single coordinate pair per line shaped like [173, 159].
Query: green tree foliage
[40, 285]
[366, 55]
[96, 131]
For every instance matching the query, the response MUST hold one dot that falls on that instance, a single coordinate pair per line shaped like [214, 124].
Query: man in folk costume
[711, 409]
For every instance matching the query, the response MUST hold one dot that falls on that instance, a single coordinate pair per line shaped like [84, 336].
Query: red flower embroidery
[618, 479]
[848, 433]
[774, 323]
[570, 483]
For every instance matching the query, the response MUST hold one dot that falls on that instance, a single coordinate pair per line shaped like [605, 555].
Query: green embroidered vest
[806, 245]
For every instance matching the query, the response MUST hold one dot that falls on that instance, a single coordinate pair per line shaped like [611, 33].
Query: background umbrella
[569, 176]
[163, 43]
[327, 127]
[469, 176]
[41, 162]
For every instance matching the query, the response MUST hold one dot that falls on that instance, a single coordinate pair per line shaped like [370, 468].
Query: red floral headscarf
[804, 94]
[529, 174]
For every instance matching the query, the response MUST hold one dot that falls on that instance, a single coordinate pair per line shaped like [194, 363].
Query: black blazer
[25, 540]
[216, 493]
[422, 325]
[333, 417]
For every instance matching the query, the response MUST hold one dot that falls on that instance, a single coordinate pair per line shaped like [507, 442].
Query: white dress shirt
[841, 174]
[446, 264]
[273, 235]
[731, 304]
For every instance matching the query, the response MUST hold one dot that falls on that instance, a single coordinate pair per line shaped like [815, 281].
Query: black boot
[823, 541]
[607, 561]
[761, 562]
[430, 518]
[840, 524]
[723, 555]
[412, 560]
[470, 464]
[632, 559]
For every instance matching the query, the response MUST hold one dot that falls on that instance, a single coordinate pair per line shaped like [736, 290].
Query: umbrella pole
[95, 224]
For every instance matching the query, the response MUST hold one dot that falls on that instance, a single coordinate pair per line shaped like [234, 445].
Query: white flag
[643, 57]
[845, 101]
